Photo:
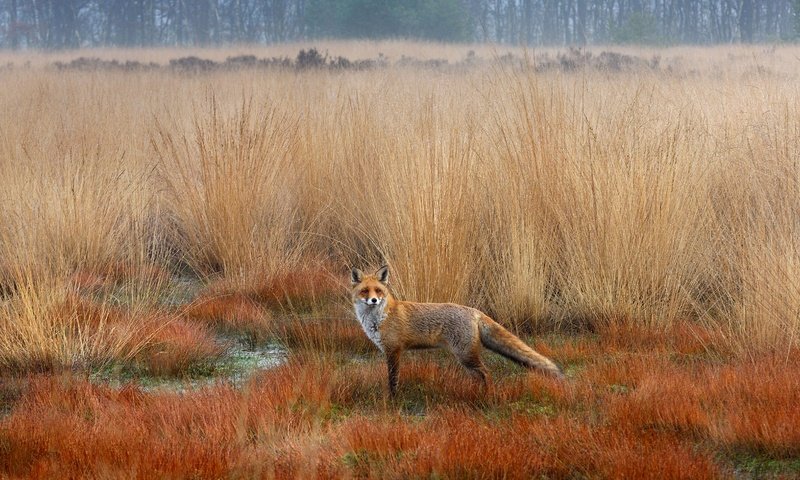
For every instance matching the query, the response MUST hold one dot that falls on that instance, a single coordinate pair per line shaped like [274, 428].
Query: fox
[395, 326]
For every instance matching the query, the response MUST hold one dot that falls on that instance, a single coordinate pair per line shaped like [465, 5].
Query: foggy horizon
[67, 24]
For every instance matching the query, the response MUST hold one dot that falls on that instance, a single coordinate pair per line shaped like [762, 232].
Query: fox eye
[364, 292]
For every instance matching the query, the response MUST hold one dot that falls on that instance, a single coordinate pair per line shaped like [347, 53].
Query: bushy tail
[499, 340]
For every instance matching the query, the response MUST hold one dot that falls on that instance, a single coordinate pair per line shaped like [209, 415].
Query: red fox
[395, 326]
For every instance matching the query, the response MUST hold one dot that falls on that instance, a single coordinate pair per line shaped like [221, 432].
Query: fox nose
[373, 301]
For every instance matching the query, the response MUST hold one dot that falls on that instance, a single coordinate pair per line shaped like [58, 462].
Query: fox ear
[356, 276]
[383, 274]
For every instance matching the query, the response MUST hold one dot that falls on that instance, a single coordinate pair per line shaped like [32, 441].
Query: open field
[175, 248]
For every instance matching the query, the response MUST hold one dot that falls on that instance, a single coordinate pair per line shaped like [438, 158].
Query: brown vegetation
[624, 415]
[642, 221]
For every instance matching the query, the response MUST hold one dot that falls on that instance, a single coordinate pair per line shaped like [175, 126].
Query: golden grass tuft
[230, 189]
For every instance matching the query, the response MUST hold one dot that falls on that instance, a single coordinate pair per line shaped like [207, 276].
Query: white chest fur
[370, 317]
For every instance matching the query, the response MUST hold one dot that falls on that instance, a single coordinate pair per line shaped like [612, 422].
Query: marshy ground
[266, 393]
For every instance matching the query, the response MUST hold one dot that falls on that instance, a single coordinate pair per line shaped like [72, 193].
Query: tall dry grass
[551, 200]
[230, 189]
[604, 216]
[73, 200]
[409, 196]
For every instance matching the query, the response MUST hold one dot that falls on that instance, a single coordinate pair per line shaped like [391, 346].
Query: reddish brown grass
[71, 428]
[426, 383]
[12, 388]
[158, 342]
[302, 289]
[667, 400]
[456, 444]
[253, 310]
[324, 334]
[174, 345]
[745, 407]
[90, 314]
[233, 312]
[625, 414]
[569, 350]
[681, 338]
[756, 405]
[83, 430]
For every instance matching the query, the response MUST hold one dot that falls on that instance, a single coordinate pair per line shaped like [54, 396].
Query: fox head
[370, 289]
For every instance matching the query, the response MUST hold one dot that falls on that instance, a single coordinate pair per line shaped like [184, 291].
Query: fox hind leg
[473, 363]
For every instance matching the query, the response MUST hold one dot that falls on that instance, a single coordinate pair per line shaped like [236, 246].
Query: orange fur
[395, 326]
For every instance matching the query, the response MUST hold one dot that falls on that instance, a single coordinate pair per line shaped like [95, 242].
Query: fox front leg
[393, 367]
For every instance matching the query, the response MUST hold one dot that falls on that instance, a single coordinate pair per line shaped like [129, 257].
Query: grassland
[639, 225]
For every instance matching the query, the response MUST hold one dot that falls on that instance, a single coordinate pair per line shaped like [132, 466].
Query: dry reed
[551, 200]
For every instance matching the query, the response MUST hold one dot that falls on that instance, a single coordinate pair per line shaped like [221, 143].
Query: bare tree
[73, 23]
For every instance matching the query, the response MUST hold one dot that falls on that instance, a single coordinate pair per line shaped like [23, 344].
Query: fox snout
[371, 300]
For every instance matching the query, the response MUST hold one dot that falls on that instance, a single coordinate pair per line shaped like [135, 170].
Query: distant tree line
[53, 24]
